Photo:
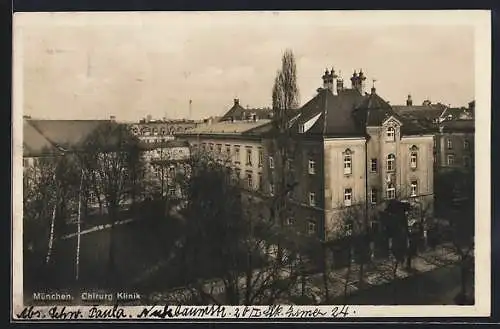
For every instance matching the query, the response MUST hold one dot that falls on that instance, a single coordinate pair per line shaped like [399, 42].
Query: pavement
[378, 274]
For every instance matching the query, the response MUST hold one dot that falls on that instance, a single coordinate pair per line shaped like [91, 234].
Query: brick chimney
[236, 101]
[409, 101]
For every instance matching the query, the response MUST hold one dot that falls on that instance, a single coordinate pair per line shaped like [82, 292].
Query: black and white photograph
[296, 159]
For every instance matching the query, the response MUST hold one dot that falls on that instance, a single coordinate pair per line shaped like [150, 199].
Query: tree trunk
[51, 236]
[325, 275]
[77, 260]
[112, 278]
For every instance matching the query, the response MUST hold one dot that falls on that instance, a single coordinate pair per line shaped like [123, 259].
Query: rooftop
[227, 127]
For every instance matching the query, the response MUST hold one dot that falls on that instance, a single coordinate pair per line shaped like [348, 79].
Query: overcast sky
[93, 65]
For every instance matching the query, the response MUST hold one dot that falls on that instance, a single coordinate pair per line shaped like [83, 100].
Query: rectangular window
[261, 157]
[347, 197]
[25, 162]
[347, 164]
[373, 196]
[451, 159]
[238, 173]
[249, 180]
[312, 167]
[301, 128]
[271, 188]
[312, 199]
[434, 141]
[249, 157]
[466, 161]
[390, 135]
[171, 191]
[211, 147]
[391, 162]
[289, 221]
[228, 150]
[449, 143]
[261, 185]
[373, 165]
[237, 154]
[271, 162]
[311, 227]
[204, 146]
[413, 160]
[391, 191]
[219, 148]
[466, 144]
[413, 188]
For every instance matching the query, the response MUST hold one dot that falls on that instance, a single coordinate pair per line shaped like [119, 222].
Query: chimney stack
[340, 83]
[112, 118]
[409, 101]
[236, 101]
[358, 81]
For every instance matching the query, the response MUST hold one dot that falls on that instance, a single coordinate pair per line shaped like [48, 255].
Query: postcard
[250, 165]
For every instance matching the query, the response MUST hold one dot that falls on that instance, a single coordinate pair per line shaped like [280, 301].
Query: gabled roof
[65, 133]
[336, 114]
[34, 143]
[238, 112]
[374, 111]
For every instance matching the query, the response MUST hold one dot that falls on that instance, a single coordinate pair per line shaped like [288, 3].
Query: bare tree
[226, 254]
[111, 156]
[455, 197]
[50, 187]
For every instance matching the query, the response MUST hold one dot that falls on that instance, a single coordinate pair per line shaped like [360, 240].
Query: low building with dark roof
[239, 113]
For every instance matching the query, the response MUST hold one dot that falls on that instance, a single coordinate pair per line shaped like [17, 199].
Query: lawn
[138, 246]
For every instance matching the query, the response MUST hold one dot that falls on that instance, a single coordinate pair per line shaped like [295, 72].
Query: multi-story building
[50, 138]
[455, 145]
[453, 130]
[153, 131]
[237, 144]
[351, 148]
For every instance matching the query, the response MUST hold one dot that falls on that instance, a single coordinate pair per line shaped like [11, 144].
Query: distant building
[239, 113]
[455, 145]
[153, 131]
[52, 138]
[453, 130]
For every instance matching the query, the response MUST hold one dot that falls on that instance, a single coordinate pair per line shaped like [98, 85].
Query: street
[435, 287]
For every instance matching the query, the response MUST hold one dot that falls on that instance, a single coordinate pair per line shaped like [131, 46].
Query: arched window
[391, 162]
[390, 135]
[347, 162]
[413, 157]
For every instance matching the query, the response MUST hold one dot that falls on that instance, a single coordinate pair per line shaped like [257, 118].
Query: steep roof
[456, 113]
[238, 112]
[373, 111]
[66, 132]
[421, 112]
[34, 143]
[335, 113]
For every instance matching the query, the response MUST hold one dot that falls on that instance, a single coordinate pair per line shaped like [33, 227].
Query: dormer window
[390, 135]
[301, 128]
